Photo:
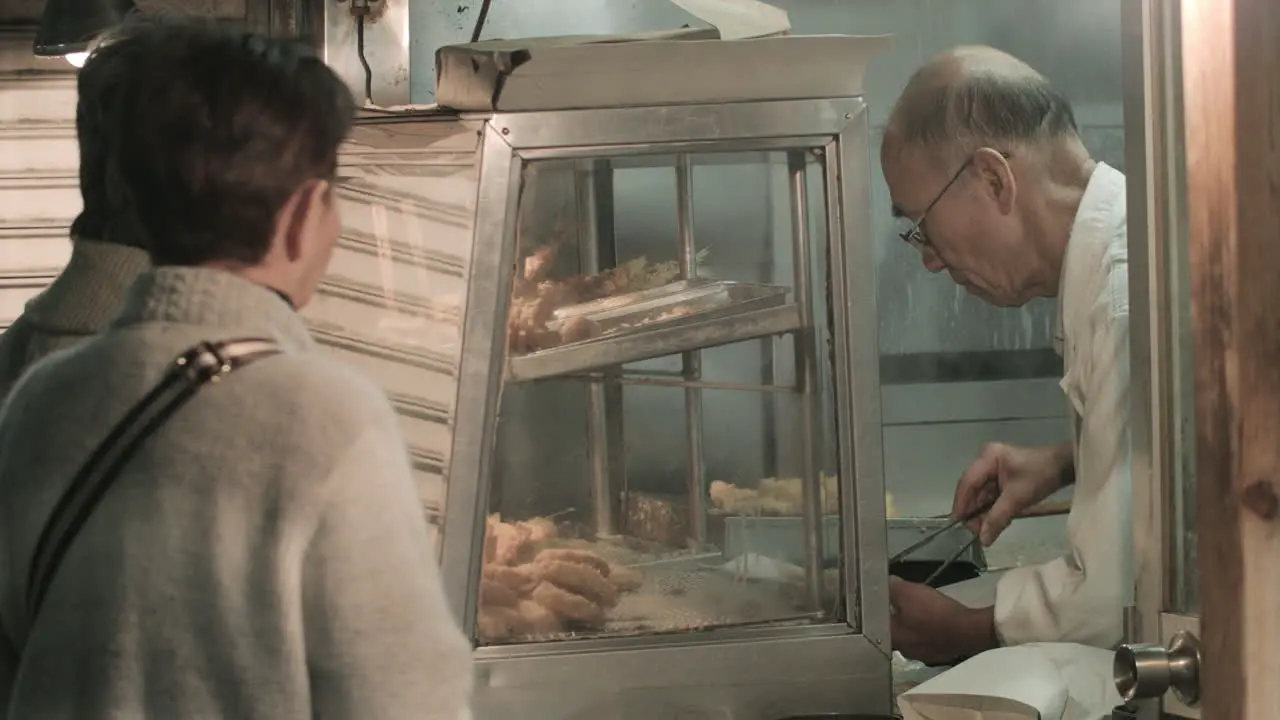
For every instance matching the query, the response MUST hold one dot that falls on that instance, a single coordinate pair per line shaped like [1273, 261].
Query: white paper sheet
[1041, 681]
[739, 19]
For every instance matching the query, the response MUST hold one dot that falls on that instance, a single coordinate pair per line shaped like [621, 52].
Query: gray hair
[982, 107]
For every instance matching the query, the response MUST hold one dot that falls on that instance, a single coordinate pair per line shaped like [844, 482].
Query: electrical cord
[480, 19]
[360, 8]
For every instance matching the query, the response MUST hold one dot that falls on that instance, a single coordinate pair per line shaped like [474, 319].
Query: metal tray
[614, 302]
[782, 538]
[730, 313]
[700, 299]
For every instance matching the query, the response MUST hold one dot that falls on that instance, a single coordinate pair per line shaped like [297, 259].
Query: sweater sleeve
[381, 643]
[1080, 597]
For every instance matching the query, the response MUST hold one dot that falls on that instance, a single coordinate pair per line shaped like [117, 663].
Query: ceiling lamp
[69, 28]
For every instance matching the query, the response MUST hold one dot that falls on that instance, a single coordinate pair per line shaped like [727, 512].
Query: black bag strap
[201, 364]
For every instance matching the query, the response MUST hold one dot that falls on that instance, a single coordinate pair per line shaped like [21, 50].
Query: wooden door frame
[1231, 61]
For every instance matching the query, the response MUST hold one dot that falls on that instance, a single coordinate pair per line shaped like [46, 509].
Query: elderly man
[262, 553]
[106, 252]
[986, 167]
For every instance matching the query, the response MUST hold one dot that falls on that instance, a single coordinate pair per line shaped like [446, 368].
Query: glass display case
[634, 352]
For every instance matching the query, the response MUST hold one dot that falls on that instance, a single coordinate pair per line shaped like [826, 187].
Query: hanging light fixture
[69, 28]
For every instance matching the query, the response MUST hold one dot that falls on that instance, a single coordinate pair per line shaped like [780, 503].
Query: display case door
[1205, 295]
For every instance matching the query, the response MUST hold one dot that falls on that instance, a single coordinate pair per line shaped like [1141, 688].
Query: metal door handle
[1143, 672]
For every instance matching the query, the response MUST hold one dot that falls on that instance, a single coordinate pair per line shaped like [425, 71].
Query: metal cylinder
[809, 429]
[1147, 671]
[691, 362]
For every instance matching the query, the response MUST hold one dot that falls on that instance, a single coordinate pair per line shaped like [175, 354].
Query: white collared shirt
[1080, 597]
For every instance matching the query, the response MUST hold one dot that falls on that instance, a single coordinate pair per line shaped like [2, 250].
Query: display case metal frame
[1162, 383]
[757, 672]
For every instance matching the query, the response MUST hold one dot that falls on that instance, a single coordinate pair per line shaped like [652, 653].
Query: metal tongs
[902, 555]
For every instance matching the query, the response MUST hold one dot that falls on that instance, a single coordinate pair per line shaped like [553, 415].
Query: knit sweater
[81, 302]
[262, 557]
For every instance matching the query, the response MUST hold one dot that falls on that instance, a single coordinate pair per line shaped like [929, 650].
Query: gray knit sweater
[263, 557]
[80, 303]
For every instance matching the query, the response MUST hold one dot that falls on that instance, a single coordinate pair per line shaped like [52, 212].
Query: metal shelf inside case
[679, 317]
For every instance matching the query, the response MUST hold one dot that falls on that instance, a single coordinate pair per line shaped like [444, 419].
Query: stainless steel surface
[691, 364]
[783, 538]
[1158, 350]
[479, 376]
[644, 311]
[591, 248]
[856, 370]
[538, 74]
[386, 47]
[809, 429]
[945, 526]
[667, 382]
[737, 672]
[1148, 671]
[663, 339]
[1172, 625]
[656, 127]
[757, 676]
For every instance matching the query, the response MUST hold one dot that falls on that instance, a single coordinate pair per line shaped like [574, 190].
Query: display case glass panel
[666, 454]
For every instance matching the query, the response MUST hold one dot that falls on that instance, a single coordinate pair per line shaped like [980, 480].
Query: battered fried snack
[536, 620]
[624, 578]
[541, 529]
[495, 624]
[568, 605]
[509, 539]
[577, 557]
[520, 579]
[581, 580]
[493, 594]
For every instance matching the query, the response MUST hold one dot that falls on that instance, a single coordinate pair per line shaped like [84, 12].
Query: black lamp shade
[70, 26]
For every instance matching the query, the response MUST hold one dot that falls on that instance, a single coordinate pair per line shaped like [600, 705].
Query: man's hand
[930, 627]
[1014, 478]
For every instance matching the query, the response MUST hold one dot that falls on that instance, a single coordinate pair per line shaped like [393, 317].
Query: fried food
[496, 624]
[520, 579]
[577, 557]
[568, 605]
[581, 580]
[535, 298]
[494, 594]
[541, 529]
[508, 540]
[536, 620]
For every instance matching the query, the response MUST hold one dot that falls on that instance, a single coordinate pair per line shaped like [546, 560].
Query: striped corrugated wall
[392, 304]
[39, 162]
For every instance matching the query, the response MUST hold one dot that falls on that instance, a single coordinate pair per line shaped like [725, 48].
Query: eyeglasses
[915, 235]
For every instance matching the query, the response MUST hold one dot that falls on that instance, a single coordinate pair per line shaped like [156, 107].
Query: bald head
[974, 96]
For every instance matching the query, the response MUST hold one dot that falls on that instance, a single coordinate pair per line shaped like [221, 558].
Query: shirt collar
[1091, 234]
[215, 298]
[89, 291]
